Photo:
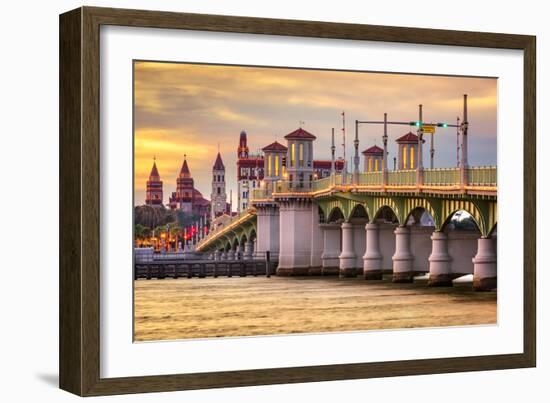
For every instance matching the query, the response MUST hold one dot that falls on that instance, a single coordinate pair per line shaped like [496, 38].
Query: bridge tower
[407, 151]
[219, 196]
[374, 157]
[153, 194]
[273, 163]
[296, 210]
[300, 158]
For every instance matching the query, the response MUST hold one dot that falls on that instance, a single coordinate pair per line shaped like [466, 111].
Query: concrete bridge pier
[347, 256]
[294, 246]
[267, 238]
[372, 259]
[485, 265]
[248, 250]
[315, 261]
[403, 259]
[440, 262]
[331, 249]
[359, 245]
[231, 254]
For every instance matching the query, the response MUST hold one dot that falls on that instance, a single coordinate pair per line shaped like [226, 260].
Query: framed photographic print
[250, 201]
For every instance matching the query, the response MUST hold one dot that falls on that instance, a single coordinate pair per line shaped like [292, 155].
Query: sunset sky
[190, 109]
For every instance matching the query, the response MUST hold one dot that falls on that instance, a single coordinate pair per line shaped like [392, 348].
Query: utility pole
[385, 158]
[464, 153]
[345, 170]
[332, 162]
[356, 156]
[457, 141]
[432, 150]
[420, 165]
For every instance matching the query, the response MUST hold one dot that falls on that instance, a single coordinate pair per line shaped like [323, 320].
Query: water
[246, 306]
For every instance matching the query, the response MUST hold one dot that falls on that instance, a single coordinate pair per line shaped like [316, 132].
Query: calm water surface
[245, 306]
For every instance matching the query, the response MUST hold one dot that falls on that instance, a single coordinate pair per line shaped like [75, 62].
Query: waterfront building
[250, 172]
[186, 198]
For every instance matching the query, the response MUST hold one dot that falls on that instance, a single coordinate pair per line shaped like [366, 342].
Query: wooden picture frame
[80, 186]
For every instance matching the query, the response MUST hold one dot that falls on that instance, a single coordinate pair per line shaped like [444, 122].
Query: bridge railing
[321, 184]
[442, 176]
[222, 228]
[261, 194]
[370, 178]
[477, 176]
[405, 177]
[482, 176]
[284, 186]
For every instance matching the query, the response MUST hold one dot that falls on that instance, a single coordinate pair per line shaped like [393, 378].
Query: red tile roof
[300, 134]
[374, 150]
[275, 147]
[410, 137]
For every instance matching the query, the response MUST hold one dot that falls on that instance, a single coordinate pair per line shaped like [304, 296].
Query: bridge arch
[251, 235]
[387, 213]
[336, 214]
[359, 212]
[380, 206]
[451, 207]
[413, 206]
[415, 216]
[452, 216]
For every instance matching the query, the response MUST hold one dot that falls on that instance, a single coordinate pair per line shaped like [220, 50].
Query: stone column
[331, 249]
[347, 257]
[294, 241]
[485, 265]
[267, 235]
[402, 259]
[359, 244]
[216, 255]
[223, 255]
[230, 254]
[316, 264]
[440, 262]
[247, 250]
[372, 259]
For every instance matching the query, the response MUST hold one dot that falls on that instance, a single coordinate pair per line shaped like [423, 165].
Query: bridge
[410, 221]
[370, 223]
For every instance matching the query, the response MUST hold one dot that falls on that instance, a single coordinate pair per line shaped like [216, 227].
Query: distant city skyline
[194, 109]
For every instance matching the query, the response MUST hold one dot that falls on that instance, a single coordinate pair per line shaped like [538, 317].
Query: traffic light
[442, 125]
[417, 124]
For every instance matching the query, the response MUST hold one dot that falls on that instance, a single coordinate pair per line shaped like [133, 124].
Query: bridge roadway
[369, 223]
